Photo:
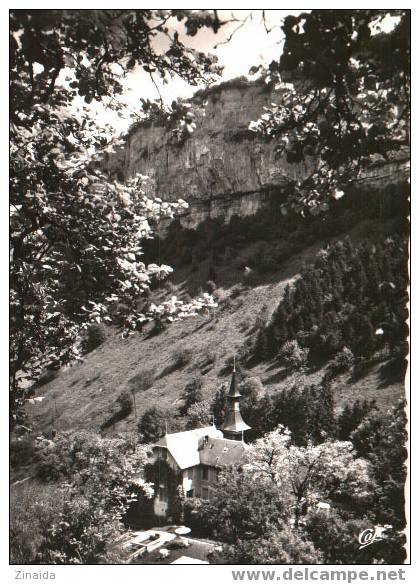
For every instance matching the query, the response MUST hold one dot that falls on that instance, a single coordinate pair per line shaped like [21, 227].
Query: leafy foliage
[142, 380]
[312, 504]
[154, 423]
[310, 474]
[343, 361]
[76, 236]
[94, 337]
[344, 99]
[192, 394]
[181, 358]
[179, 120]
[199, 415]
[382, 440]
[293, 355]
[335, 536]
[238, 510]
[352, 416]
[30, 518]
[92, 481]
[277, 546]
[307, 411]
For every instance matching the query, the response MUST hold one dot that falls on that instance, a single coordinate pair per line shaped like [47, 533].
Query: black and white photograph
[209, 276]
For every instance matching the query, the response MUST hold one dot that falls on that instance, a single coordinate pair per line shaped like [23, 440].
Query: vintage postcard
[209, 293]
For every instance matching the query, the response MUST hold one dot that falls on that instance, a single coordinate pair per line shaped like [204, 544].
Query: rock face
[222, 168]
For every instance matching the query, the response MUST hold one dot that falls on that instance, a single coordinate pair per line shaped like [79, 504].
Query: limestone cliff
[222, 168]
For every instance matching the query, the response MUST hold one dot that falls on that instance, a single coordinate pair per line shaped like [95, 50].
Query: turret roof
[233, 421]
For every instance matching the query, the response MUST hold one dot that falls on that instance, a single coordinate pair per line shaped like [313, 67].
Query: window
[205, 473]
[205, 493]
[161, 492]
[190, 493]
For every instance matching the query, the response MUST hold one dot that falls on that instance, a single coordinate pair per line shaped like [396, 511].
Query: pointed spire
[233, 426]
[233, 389]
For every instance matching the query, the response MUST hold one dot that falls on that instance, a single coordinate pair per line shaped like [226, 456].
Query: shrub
[33, 511]
[94, 337]
[22, 451]
[159, 325]
[125, 406]
[125, 402]
[220, 295]
[239, 303]
[75, 518]
[210, 356]
[182, 358]
[143, 380]
[211, 286]
[343, 361]
[249, 276]
[196, 515]
[245, 258]
[227, 303]
[236, 291]
[293, 354]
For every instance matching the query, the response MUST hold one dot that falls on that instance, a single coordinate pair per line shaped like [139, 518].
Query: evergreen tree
[192, 394]
[382, 440]
[352, 416]
[367, 338]
[153, 424]
[343, 302]
[260, 350]
[298, 323]
[271, 342]
[284, 410]
[218, 405]
[319, 409]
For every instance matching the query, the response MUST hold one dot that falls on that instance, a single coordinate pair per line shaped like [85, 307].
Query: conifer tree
[218, 405]
[352, 415]
[192, 394]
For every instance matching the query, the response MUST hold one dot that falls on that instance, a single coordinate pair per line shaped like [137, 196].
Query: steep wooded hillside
[156, 366]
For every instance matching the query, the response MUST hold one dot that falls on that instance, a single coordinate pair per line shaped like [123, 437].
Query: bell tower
[234, 426]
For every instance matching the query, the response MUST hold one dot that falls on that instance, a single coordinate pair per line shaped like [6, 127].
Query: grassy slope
[83, 396]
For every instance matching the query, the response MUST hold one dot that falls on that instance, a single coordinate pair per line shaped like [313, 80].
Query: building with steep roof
[190, 461]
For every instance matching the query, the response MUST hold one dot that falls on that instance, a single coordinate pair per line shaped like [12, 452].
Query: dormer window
[203, 442]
